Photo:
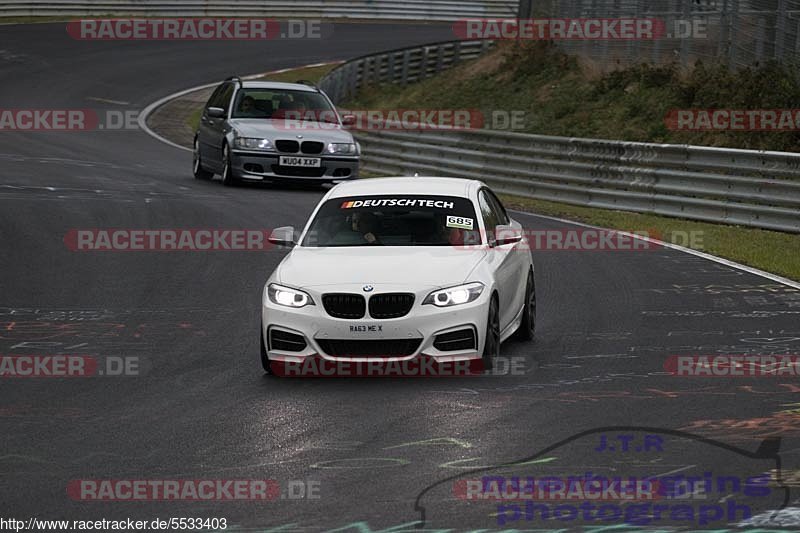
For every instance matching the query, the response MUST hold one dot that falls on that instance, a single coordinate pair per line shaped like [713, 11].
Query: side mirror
[506, 235]
[283, 236]
[215, 112]
[348, 120]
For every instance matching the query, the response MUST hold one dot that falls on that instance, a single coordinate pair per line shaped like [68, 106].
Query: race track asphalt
[381, 450]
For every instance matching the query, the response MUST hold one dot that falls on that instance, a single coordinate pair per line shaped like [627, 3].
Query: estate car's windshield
[394, 220]
[282, 103]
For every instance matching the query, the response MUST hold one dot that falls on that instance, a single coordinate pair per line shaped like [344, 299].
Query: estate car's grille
[390, 305]
[285, 341]
[342, 305]
[287, 146]
[462, 339]
[369, 348]
[311, 147]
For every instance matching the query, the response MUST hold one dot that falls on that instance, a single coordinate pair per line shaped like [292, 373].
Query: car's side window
[214, 96]
[225, 97]
[497, 206]
[489, 217]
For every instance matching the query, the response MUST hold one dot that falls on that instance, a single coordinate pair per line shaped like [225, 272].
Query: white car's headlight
[286, 296]
[461, 294]
[254, 143]
[342, 148]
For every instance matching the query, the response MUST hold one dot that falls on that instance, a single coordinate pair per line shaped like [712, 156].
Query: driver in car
[367, 225]
[248, 107]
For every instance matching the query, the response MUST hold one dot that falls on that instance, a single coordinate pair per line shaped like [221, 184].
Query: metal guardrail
[402, 66]
[747, 187]
[744, 187]
[362, 9]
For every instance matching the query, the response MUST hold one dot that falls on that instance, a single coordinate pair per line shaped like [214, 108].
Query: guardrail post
[406, 61]
[390, 73]
[365, 71]
[457, 52]
[423, 64]
[525, 9]
[439, 58]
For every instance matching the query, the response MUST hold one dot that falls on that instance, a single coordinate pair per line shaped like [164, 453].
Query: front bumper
[423, 323]
[259, 166]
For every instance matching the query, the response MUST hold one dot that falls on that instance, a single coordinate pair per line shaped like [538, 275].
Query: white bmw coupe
[393, 270]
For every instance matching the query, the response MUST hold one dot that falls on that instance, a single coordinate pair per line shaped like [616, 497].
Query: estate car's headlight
[458, 295]
[342, 148]
[254, 143]
[288, 297]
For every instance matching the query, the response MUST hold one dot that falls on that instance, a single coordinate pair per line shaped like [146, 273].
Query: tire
[197, 166]
[227, 170]
[527, 327]
[491, 346]
[264, 357]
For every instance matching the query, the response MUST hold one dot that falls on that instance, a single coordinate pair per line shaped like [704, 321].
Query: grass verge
[560, 95]
[772, 251]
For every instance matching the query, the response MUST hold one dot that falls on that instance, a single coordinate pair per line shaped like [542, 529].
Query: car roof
[459, 187]
[278, 85]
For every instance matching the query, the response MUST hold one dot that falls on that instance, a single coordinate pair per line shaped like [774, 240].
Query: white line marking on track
[709, 257]
[107, 101]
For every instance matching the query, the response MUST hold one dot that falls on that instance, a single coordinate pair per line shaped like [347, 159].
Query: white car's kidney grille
[390, 305]
[343, 305]
[369, 348]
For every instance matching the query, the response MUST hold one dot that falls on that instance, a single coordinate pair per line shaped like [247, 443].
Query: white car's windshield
[394, 220]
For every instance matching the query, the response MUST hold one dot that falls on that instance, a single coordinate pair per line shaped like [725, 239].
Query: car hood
[428, 266]
[277, 129]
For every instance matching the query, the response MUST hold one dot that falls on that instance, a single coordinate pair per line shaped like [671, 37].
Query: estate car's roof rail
[309, 83]
[236, 79]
